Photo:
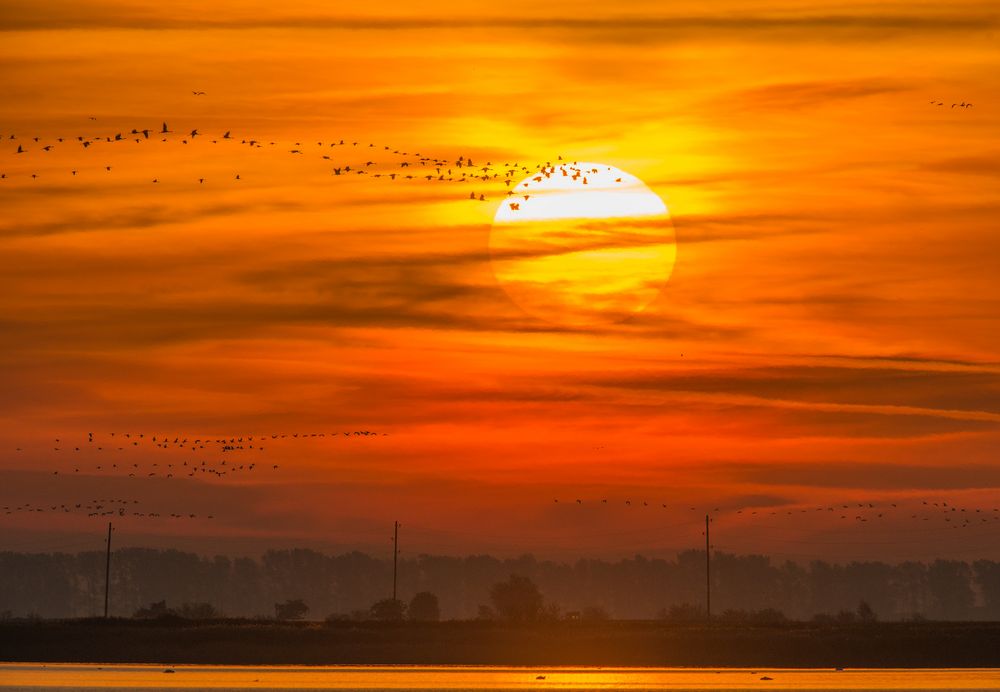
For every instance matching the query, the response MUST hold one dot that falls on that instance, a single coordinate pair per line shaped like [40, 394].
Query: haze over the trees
[303, 583]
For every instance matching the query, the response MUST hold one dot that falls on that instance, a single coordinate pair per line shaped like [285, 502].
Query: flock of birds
[131, 454]
[963, 104]
[110, 507]
[403, 166]
[951, 514]
[344, 158]
[357, 159]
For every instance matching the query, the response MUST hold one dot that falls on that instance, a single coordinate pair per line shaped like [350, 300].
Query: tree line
[149, 582]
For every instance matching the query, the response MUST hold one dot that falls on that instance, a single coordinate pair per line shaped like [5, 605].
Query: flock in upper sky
[352, 157]
[344, 158]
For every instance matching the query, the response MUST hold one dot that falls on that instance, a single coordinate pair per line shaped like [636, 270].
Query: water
[69, 677]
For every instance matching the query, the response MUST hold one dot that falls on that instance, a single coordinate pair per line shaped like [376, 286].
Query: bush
[156, 609]
[683, 613]
[768, 616]
[388, 609]
[198, 611]
[594, 613]
[293, 609]
[865, 613]
[846, 617]
[517, 599]
[424, 607]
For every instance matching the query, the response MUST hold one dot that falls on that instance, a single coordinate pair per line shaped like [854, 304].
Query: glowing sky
[829, 331]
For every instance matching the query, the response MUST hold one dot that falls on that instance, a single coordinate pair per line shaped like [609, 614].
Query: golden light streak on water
[67, 677]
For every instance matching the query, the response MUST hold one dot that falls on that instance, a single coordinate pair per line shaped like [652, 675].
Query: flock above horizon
[213, 458]
[130, 455]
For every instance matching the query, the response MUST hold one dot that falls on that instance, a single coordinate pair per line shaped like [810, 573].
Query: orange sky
[828, 334]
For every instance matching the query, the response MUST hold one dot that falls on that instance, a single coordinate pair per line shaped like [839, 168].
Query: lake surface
[66, 677]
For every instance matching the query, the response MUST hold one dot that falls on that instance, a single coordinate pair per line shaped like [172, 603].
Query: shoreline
[460, 643]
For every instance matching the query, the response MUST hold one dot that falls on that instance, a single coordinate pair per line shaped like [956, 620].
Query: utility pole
[708, 573]
[395, 556]
[107, 574]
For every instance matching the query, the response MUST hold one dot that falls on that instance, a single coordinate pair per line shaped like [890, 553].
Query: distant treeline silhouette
[346, 586]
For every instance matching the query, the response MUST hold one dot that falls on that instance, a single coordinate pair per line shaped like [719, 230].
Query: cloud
[986, 166]
[19, 15]
[794, 95]
[136, 217]
[713, 228]
[875, 476]
[959, 396]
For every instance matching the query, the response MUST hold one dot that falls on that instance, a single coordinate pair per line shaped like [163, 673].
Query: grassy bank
[611, 644]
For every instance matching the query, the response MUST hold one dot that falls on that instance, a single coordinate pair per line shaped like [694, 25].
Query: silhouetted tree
[865, 613]
[424, 607]
[293, 609]
[389, 609]
[988, 577]
[951, 588]
[517, 599]
[153, 610]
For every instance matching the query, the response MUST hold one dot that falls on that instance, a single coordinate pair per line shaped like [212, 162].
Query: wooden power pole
[395, 556]
[708, 573]
[107, 573]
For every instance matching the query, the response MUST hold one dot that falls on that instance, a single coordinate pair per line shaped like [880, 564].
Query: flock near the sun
[342, 157]
[402, 166]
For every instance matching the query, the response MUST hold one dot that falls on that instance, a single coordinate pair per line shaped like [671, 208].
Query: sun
[582, 243]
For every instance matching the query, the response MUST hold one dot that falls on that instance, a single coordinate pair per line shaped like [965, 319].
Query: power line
[107, 574]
